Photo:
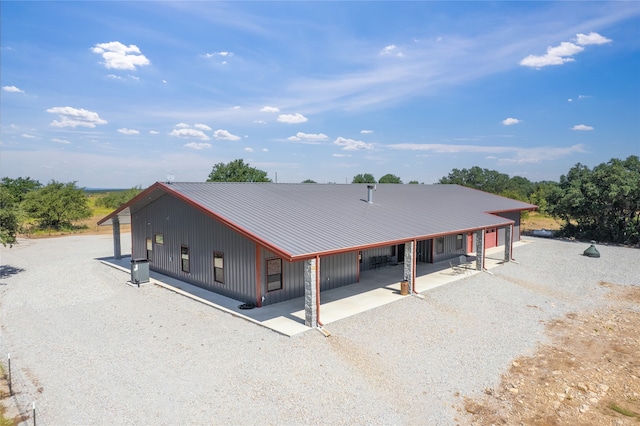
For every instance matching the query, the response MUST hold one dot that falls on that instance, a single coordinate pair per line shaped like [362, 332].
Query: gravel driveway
[91, 350]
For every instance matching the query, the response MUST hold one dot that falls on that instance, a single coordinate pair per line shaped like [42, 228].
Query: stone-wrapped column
[409, 263]
[480, 249]
[507, 243]
[117, 251]
[310, 308]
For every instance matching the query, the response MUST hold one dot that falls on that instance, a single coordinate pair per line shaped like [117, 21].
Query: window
[149, 250]
[459, 242]
[218, 267]
[360, 257]
[159, 239]
[440, 245]
[274, 274]
[184, 258]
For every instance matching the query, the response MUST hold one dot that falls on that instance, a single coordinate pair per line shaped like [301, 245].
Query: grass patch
[622, 410]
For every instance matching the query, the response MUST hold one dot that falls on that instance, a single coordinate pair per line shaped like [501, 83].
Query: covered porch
[376, 288]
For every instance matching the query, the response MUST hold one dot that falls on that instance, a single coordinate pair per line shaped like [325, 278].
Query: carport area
[376, 288]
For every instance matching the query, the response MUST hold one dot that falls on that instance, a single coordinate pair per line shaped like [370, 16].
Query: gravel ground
[91, 350]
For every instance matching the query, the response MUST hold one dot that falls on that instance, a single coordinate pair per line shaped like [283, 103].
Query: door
[400, 253]
[490, 238]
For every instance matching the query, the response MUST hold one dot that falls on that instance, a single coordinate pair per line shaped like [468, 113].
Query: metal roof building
[266, 242]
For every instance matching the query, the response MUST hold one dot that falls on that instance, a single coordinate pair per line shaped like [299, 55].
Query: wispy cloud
[292, 118]
[198, 145]
[183, 130]
[12, 89]
[564, 52]
[269, 109]
[582, 127]
[225, 135]
[352, 145]
[126, 131]
[518, 155]
[28, 136]
[366, 132]
[119, 56]
[74, 117]
[62, 141]
[310, 138]
[202, 127]
[511, 121]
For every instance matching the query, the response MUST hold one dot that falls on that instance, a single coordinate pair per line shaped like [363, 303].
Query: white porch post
[310, 307]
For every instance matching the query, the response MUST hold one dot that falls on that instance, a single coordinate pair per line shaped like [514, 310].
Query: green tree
[237, 171]
[364, 178]
[389, 178]
[115, 199]
[603, 202]
[57, 205]
[491, 181]
[309, 181]
[10, 223]
[19, 187]
[414, 182]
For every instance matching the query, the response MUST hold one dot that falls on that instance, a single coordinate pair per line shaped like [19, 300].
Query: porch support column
[480, 249]
[507, 243]
[310, 307]
[409, 262]
[117, 251]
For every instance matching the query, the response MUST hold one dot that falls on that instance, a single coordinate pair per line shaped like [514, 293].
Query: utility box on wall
[139, 271]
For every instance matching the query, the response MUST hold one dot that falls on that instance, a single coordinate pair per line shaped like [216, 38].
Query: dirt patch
[90, 229]
[588, 375]
[537, 221]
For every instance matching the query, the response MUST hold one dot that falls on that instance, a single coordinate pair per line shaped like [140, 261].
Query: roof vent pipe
[370, 189]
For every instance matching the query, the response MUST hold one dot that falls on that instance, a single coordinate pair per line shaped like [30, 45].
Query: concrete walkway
[377, 287]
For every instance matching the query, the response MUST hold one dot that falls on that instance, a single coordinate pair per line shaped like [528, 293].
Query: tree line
[600, 203]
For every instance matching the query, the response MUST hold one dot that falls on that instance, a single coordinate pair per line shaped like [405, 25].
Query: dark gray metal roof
[300, 220]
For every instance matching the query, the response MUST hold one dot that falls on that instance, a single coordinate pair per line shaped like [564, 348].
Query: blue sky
[119, 94]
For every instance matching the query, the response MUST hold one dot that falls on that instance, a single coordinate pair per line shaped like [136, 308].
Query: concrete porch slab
[376, 288]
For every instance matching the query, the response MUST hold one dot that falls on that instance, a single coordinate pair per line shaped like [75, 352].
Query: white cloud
[248, 149]
[583, 96]
[260, 122]
[118, 56]
[115, 77]
[582, 127]
[341, 155]
[223, 54]
[28, 136]
[63, 141]
[73, 117]
[126, 131]
[189, 133]
[511, 121]
[164, 81]
[352, 145]
[391, 49]
[292, 118]
[12, 89]
[201, 126]
[308, 137]
[154, 132]
[198, 145]
[591, 38]
[366, 132]
[182, 126]
[269, 109]
[563, 53]
[224, 134]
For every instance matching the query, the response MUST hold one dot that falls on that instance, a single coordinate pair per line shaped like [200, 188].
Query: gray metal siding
[292, 279]
[367, 256]
[515, 216]
[450, 250]
[180, 224]
[338, 270]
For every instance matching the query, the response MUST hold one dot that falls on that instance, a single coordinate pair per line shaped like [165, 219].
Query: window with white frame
[274, 274]
[218, 267]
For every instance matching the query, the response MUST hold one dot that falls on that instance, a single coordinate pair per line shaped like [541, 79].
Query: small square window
[459, 242]
[159, 239]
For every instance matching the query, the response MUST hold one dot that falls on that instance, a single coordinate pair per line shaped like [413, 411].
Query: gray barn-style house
[263, 243]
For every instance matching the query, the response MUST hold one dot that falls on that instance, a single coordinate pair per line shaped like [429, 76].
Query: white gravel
[91, 350]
